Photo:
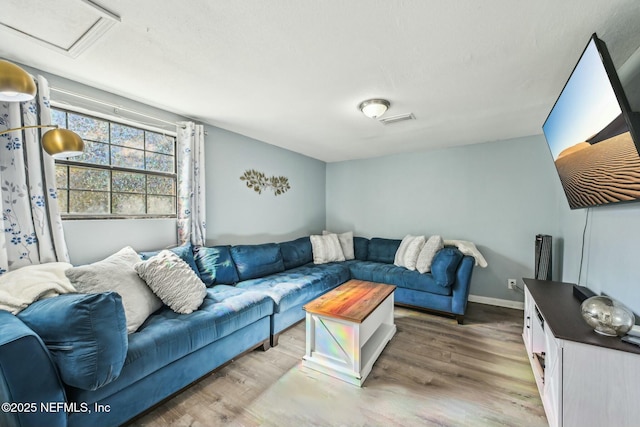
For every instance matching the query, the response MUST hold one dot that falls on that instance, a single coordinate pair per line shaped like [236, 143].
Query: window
[125, 171]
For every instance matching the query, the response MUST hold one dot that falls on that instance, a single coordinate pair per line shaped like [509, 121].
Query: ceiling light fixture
[374, 108]
[16, 85]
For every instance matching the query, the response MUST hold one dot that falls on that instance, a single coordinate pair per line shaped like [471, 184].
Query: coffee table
[347, 329]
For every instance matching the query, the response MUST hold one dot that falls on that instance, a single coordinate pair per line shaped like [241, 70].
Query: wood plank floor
[434, 372]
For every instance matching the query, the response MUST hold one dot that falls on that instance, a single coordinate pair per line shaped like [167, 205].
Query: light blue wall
[496, 194]
[89, 241]
[234, 214]
[237, 214]
[611, 251]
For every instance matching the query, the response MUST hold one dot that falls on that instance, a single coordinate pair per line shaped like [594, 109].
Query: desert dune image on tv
[589, 139]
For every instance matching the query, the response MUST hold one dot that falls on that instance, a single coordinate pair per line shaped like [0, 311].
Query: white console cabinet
[584, 379]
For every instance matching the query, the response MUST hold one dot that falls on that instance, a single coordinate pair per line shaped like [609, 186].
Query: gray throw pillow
[428, 252]
[346, 243]
[116, 273]
[171, 279]
[408, 251]
[326, 249]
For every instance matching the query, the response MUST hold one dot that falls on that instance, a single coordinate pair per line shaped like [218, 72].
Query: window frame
[110, 168]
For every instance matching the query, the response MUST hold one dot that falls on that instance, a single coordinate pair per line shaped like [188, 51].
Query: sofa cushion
[86, 335]
[394, 275]
[257, 260]
[298, 285]
[296, 252]
[173, 281]
[360, 248]
[167, 336]
[326, 249]
[215, 265]
[383, 250]
[185, 252]
[444, 266]
[116, 273]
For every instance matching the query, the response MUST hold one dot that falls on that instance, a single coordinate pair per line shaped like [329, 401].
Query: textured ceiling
[291, 73]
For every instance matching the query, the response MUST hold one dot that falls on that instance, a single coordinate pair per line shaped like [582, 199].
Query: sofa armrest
[460, 289]
[27, 377]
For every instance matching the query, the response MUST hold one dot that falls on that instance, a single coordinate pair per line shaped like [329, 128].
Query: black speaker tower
[543, 257]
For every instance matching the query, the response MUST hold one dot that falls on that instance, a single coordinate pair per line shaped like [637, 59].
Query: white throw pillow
[326, 249]
[428, 252]
[346, 243]
[408, 251]
[116, 273]
[173, 281]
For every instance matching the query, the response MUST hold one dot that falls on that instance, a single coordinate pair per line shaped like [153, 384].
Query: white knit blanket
[468, 248]
[21, 287]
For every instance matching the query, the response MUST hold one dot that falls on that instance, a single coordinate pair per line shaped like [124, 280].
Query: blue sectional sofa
[68, 361]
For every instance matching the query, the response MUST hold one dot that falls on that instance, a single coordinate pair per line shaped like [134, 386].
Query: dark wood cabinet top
[561, 312]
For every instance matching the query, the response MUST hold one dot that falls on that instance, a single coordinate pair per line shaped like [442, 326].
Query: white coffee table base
[348, 350]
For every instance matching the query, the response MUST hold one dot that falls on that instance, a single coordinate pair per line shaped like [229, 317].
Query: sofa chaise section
[170, 351]
[167, 353]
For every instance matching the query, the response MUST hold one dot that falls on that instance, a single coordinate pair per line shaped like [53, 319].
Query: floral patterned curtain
[32, 231]
[191, 196]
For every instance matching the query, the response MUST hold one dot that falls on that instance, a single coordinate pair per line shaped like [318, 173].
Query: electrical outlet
[511, 283]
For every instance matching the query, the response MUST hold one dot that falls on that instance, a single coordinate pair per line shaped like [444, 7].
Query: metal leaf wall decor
[258, 181]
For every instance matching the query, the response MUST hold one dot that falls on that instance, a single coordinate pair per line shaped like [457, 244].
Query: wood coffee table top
[352, 301]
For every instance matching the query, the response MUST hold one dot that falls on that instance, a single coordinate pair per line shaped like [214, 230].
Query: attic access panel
[66, 26]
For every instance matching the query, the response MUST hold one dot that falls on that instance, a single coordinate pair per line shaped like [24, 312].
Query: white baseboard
[519, 305]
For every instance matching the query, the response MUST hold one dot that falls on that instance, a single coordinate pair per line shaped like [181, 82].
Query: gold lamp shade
[16, 85]
[62, 143]
[58, 143]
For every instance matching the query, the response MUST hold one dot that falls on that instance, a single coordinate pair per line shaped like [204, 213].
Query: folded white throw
[21, 287]
[468, 248]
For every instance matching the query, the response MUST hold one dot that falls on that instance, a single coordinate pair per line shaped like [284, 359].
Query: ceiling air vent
[69, 26]
[395, 119]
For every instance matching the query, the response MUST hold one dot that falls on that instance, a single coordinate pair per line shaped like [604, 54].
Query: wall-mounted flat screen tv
[593, 135]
